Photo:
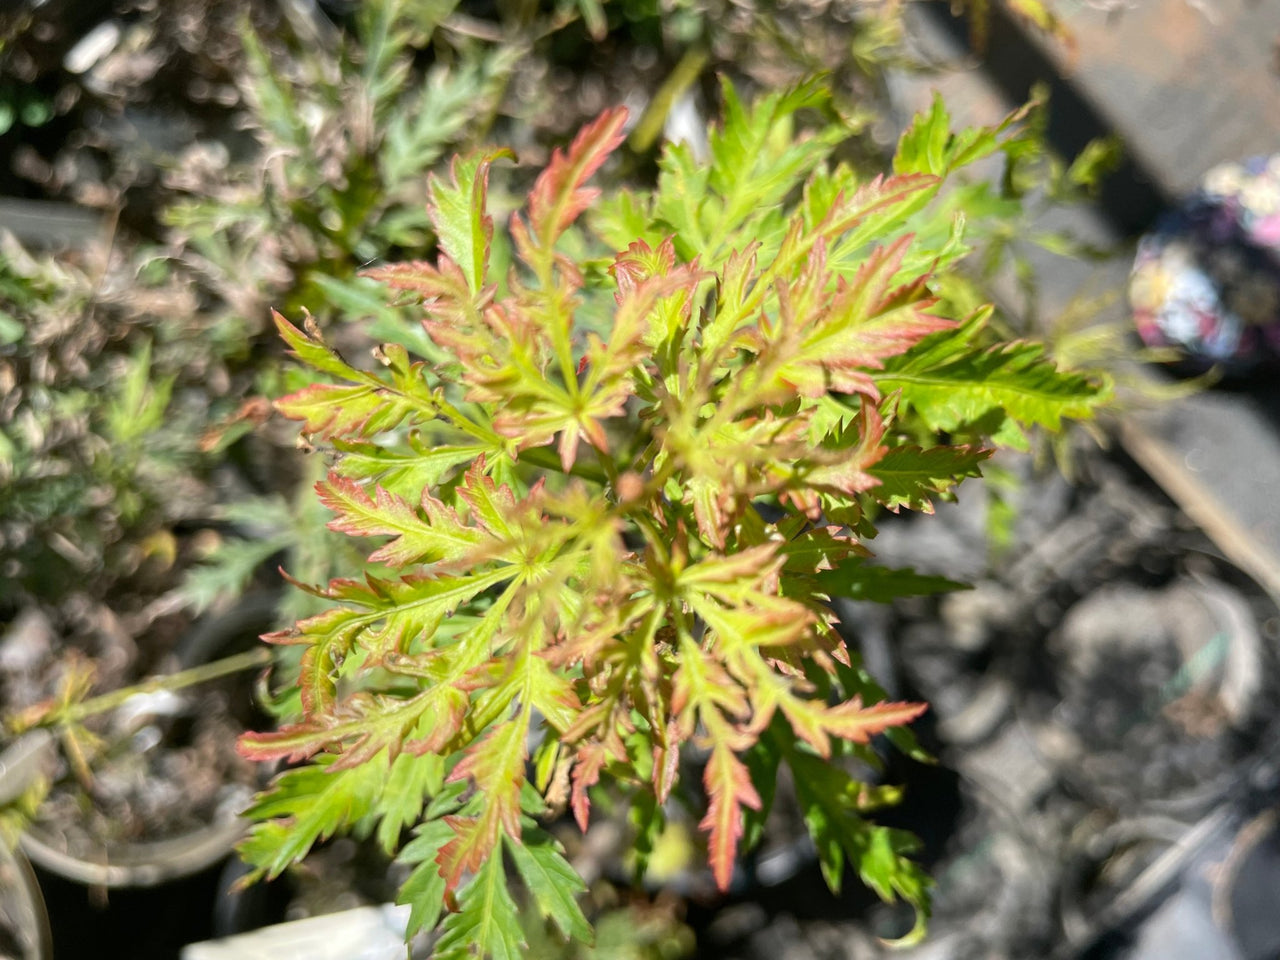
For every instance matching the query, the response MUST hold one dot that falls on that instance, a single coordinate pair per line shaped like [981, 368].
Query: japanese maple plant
[612, 500]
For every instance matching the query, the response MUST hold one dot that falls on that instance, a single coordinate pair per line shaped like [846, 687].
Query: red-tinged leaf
[493, 507]
[552, 694]
[558, 196]
[588, 764]
[858, 724]
[443, 287]
[311, 349]
[754, 569]
[328, 410]
[806, 718]
[834, 342]
[639, 262]
[884, 198]
[713, 504]
[328, 636]
[703, 689]
[779, 624]
[474, 842]
[853, 471]
[441, 538]
[666, 765]
[459, 213]
[729, 789]
[364, 725]
[821, 548]
[316, 684]
[289, 637]
[496, 765]
[290, 743]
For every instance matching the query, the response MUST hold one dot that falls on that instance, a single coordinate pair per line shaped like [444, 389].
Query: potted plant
[136, 785]
[617, 493]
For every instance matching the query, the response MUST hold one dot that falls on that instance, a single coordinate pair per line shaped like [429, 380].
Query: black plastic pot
[151, 862]
[24, 923]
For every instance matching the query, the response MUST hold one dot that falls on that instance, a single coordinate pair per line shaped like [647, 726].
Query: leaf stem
[75, 713]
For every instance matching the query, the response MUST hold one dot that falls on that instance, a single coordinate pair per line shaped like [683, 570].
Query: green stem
[172, 681]
[678, 81]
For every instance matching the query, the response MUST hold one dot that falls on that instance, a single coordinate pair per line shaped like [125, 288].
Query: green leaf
[424, 891]
[275, 105]
[912, 477]
[441, 537]
[310, 348]
[830, 801]
[923, 147]
[762, 761]
[857, 580]
[418, 131]
[929, 146]
[1014, 381]
[405, 473]
[756, 157]
[487, 924]
[1099, 157]
[227, 571]
[459, 213]
[305, 806]
[414, 777]
[554, 884]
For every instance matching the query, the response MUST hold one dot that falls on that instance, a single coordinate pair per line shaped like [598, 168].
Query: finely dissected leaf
[487, 923]
[443, 286]
[857, 580]
[756, 158]
[313, 351]
[1014, 381]
[830, 801]
[871, 211]
[442, 537]
[460, 216]
[495, 764]
[414, 778]
[406, 473]
[930, 146]
[729, 789]
[305, 806]
[911, 477]
[366, 725]
[554, 884]
[833, 341]
[424, 891]
[589, 762]
[329, 410]
[366, 406]
[858, 724]
[560, 194]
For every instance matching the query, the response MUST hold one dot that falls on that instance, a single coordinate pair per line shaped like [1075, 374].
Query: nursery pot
[24, 923]
[69, 849]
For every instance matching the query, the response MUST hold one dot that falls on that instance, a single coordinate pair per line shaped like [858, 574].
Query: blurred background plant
[98, 445]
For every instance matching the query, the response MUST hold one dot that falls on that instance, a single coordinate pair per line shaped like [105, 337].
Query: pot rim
[139, 864]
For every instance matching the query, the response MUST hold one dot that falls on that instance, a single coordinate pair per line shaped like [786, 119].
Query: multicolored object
[1207, 280]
